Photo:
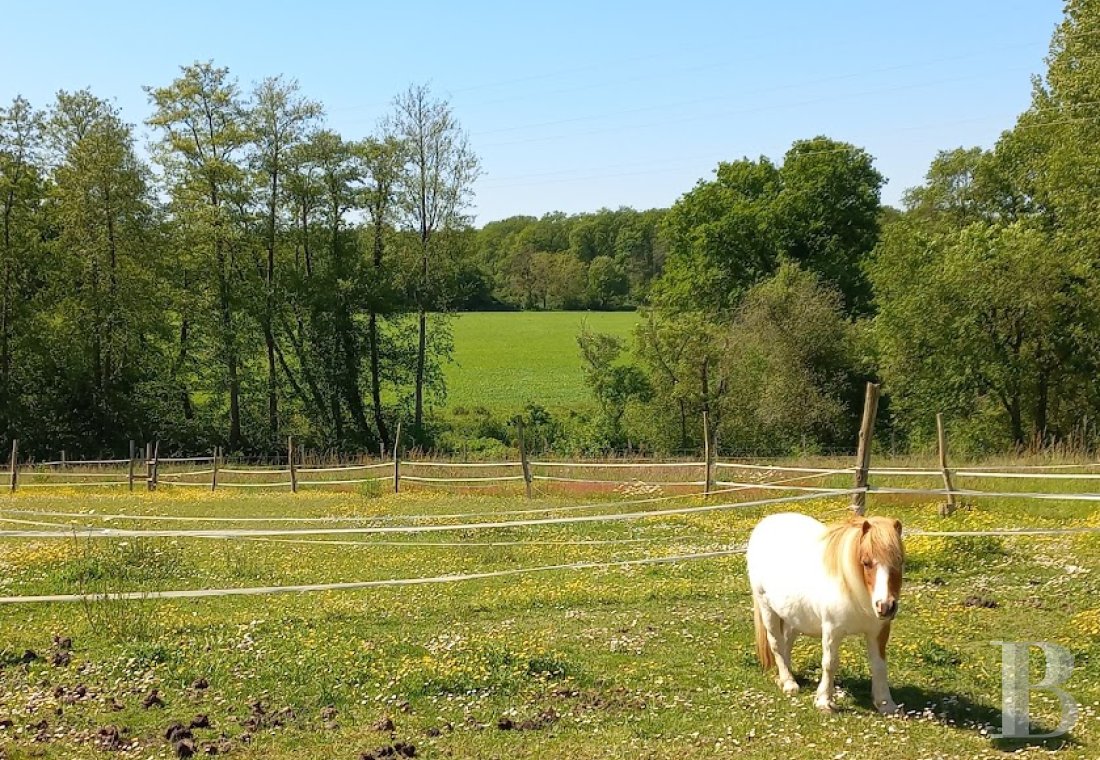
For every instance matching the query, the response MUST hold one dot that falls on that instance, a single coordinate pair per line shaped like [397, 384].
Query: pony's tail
[763, 650]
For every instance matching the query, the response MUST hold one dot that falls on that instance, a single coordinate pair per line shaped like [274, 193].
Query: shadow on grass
[956, 711]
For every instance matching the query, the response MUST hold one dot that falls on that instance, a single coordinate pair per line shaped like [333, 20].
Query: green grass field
[504, 360]
[642, 661]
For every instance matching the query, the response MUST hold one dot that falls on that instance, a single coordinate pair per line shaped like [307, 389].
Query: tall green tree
[827, 213]
[281, 117]
[383, 159]
[721, 238]
[989, 320]
[105, 304]
[986, 284]
[296, 344]
[204, 132]
[608, 285]
[684, 356]
[613, 381]
[331, 287]
[21, 195]
[438, 184]
[820, 208]
[793, 366]
[1062, 130]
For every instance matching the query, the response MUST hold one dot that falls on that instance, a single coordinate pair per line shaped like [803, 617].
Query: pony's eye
[867, 563]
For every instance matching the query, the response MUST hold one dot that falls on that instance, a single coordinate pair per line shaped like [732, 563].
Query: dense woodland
[603, 260]
[261, 275]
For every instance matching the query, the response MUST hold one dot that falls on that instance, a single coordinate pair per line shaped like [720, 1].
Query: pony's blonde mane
[846, 542]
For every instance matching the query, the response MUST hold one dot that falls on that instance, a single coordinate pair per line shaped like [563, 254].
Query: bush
[451, 443]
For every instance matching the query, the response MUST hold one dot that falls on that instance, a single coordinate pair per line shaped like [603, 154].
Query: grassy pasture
[504, 360]
[651, 661]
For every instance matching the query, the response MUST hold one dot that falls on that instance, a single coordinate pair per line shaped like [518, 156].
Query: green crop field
[504, 360]
[650, 661]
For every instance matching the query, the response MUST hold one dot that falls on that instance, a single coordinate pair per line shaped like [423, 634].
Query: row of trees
[757, 317]
[603, 260]
[786, 286]
[988, 284]
[264, 276]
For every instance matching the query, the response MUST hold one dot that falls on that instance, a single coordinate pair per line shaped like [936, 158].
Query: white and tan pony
[829, 581]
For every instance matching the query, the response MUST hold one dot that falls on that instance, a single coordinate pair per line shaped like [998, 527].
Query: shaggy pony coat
[829, 581]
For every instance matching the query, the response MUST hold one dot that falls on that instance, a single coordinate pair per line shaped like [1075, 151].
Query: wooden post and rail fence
[948, 507]
[709, 446]
[397, 459]
[862, 465]
[291, 465]
[14, 464]
[130, 468]
[863, 451]
[524, 462]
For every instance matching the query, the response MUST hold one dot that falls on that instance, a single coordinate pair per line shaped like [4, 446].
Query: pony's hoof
[790, 688]
[889, 707]
[825, 705]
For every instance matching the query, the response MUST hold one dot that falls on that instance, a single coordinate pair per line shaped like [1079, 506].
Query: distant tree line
[604, 260]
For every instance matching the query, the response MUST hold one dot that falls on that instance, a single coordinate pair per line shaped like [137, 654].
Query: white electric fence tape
[205, 593]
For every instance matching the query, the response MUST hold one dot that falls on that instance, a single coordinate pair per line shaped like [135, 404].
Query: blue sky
[573, 106]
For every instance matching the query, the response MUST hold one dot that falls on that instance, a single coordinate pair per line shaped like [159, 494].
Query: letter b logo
[1016, 688]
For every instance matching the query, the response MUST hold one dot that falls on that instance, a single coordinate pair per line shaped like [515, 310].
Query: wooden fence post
[148, 466]
[63, 459]
[14, 463]
[214, 473]
[708, 456]
[290, 460]
[130, 469]
[863, 455]
[397, 459]
[156, 466]
[948, 507]
[524, 463]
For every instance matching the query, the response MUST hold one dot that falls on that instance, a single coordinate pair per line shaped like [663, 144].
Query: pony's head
[866, 553]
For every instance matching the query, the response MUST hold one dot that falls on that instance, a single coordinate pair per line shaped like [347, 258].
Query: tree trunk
[295, 386]
[421, 352]
[234, 403]
[1016, 421]
[352, 396]
[229, 347]
[422, 343]
[112, 289]
[181, 358]
[97, 332]
[269, 311]
[1042, 402]
[5, 319]
[305, 240]
[272, 385]
[337, 418]
[372, 336]
[298, 343]
[376, 382]
[683, 425]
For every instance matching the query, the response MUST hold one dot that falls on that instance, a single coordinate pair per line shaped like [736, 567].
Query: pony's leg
[830, 651]
[786, 645]
[880, 687]
[779, 639]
